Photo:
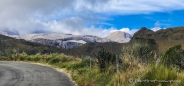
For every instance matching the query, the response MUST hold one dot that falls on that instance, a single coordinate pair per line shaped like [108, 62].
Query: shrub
[141, 52]
[105, 59]
[76, 65]
[47, 59]
[86, 61]
[29, 58]
[22, 58]
[65, 59]
[54, 60]
[173, 57]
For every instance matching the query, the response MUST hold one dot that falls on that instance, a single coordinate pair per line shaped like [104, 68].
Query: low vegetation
[139, 65]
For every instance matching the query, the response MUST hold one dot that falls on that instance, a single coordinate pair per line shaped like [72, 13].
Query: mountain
[66, 41]
[165, 38]
[92, 44]
[120, 37]
[69, 41]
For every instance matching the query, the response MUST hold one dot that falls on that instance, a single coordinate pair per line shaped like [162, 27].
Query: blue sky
[89, 17]
[155, 19]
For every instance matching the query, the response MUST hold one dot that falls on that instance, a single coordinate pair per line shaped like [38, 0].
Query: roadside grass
[83, 75]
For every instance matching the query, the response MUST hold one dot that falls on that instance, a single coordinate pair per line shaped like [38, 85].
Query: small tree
[105, 59]
[173, 57]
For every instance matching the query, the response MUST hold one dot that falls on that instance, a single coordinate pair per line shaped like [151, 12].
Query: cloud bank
[75, 16]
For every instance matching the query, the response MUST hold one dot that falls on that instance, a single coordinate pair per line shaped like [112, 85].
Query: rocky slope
[120, 37]
[66, 41]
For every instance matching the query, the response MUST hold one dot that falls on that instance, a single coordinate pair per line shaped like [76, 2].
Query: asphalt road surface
[26, 74]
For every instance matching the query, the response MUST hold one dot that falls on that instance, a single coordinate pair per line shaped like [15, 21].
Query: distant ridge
[165, 38]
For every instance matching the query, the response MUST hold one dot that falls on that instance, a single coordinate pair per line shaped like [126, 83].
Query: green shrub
[75, 65]
[28, 58]
[36, 59]
[105, 59]
[173, 57]
[66, 58]
[46, 60]
[86, 61]
[22, 58]
[5, 59]
[63, 65]
[54, 61]
[141, 52]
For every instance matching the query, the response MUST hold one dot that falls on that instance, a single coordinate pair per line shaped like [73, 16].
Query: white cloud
[156, 28]
[74, 25]
[71, 16]
[127, 30]
[157, 24]
[133, 6]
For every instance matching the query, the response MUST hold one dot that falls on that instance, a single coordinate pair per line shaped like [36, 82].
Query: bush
[105, 59]
[75, 65]
[36, 59]
[173, 57]
[47, 59]
[54, 61]
[86, 61]
[66, 58]
[22, 58]
[141, 52]
[29, 58]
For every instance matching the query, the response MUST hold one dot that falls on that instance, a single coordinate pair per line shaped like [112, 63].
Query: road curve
[26, 74]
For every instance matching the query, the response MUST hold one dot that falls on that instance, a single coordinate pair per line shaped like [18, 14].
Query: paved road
[26, 74]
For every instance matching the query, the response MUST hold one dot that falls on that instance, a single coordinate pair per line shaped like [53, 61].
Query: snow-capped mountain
[120, 37]
[69, 41]
[64, 40]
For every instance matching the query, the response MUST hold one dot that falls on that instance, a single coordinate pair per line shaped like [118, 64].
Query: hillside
[10, 45]
[90, 48]
[165, 38]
